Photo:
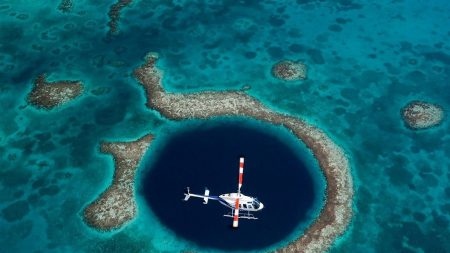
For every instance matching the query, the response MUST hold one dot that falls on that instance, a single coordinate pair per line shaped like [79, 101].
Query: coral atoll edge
[336, 213]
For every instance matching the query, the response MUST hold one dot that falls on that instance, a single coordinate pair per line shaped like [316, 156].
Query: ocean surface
[366, 60]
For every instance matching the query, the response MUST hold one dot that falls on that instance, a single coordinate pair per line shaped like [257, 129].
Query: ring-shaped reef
[115, 207]
[336, 214]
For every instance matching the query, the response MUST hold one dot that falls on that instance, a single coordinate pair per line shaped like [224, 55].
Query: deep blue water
[365, 60]
[209, 156]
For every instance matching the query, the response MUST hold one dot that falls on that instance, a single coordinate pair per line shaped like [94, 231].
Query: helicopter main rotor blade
[236, 214]
[241, 174]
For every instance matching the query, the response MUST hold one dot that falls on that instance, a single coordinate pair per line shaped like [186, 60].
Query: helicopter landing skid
[242, 215]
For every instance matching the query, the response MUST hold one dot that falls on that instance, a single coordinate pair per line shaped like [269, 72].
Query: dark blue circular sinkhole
[275, 172]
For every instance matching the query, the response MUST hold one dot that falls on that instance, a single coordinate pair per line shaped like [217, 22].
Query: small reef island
[289, 70]
[422, 115]
[48, 95]
[114, 15]
[117, 204]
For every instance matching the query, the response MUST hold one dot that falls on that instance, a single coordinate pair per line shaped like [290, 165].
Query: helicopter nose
[261, 206]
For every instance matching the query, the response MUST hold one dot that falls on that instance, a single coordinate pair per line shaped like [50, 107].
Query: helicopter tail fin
[187, 194]
[205, 199]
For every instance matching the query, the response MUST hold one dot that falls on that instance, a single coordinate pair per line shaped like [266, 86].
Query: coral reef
[337, 212]
[48, 95]
[114, 15]
[65, 5]
[422, 115]
[289, 70]
[117, 205]
[244, 26]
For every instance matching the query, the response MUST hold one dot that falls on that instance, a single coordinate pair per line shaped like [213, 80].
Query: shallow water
[365, 60]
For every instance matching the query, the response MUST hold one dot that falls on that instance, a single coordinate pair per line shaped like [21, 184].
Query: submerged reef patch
[337, 212]
[422, 115]
[117, 204]
[49, 95]
[114, 15]
[16, 211]
[289, 70]
[65, 5]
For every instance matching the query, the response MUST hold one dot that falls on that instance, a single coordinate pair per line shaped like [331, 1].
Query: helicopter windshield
[256, 204]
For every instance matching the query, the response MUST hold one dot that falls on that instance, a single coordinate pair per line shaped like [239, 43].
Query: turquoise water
[365, 61]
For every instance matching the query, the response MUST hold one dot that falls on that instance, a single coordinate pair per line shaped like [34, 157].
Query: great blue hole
[278, 171]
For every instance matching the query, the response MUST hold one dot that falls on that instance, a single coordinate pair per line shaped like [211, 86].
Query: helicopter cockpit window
[245, 205]
[256, 204]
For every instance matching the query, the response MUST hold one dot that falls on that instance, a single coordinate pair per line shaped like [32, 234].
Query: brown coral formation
[114, 15]
[335, 215]
[422, 115]
[116, 205]
[48, 95]
[289, 70]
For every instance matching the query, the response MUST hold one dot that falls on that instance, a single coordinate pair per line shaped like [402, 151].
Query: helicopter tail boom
[205, 197]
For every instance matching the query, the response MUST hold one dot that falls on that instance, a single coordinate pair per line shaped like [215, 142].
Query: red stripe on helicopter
[241, 170]
[236, 211]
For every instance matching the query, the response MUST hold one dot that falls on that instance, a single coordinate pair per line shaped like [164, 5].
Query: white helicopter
[234, 201]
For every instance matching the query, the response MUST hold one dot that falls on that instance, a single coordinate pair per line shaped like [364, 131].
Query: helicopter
[241, 205]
